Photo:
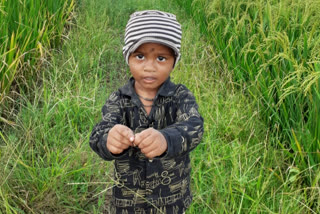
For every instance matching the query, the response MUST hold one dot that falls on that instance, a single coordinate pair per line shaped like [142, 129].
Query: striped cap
[152, 26]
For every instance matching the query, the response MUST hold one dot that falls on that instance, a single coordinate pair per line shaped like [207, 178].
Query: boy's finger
[151, 155]
[142, 135]
[126, 132]
[124, 135]
[130, 135]
[145, 140]
[114, 149]
[118, 144]
[138, 138]
[148, 148]
[119, 141]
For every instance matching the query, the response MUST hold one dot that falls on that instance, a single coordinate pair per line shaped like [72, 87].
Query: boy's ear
[174, 63]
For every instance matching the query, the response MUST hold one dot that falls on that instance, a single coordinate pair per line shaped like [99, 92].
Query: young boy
[150, 125]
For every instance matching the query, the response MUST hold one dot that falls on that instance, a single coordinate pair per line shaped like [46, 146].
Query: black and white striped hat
[152, 26]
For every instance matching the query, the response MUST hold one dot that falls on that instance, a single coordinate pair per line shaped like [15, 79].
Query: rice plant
[28, 27]
[273, 48]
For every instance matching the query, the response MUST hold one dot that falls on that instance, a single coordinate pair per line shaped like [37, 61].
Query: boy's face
[151, 65]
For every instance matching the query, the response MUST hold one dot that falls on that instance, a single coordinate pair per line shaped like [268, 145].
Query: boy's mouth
[149, 79]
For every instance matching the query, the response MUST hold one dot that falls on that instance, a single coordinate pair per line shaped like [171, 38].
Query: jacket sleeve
[186, 133]
[111, 115]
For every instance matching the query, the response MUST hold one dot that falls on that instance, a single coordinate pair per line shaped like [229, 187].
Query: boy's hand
[119, 138]
[151, 142]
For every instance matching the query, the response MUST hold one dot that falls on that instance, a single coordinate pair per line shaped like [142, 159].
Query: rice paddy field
[253, 66]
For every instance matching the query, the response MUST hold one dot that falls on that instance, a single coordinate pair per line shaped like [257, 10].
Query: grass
[47, 165]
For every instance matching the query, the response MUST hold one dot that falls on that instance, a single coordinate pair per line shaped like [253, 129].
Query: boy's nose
[149, 66]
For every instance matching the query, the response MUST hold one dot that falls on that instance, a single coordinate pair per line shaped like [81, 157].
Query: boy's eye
[161, 59]
[139, 56]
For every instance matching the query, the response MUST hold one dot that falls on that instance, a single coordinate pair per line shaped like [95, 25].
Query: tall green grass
[28, 29]
[273, 48]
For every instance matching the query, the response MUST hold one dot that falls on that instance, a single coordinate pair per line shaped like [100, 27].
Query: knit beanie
[152, 26]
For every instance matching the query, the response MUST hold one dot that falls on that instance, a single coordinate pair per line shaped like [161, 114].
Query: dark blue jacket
[163, 185]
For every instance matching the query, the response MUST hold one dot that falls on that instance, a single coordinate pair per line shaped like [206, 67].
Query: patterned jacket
[163, 185]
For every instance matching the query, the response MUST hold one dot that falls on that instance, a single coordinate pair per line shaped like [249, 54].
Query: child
[150, 125]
